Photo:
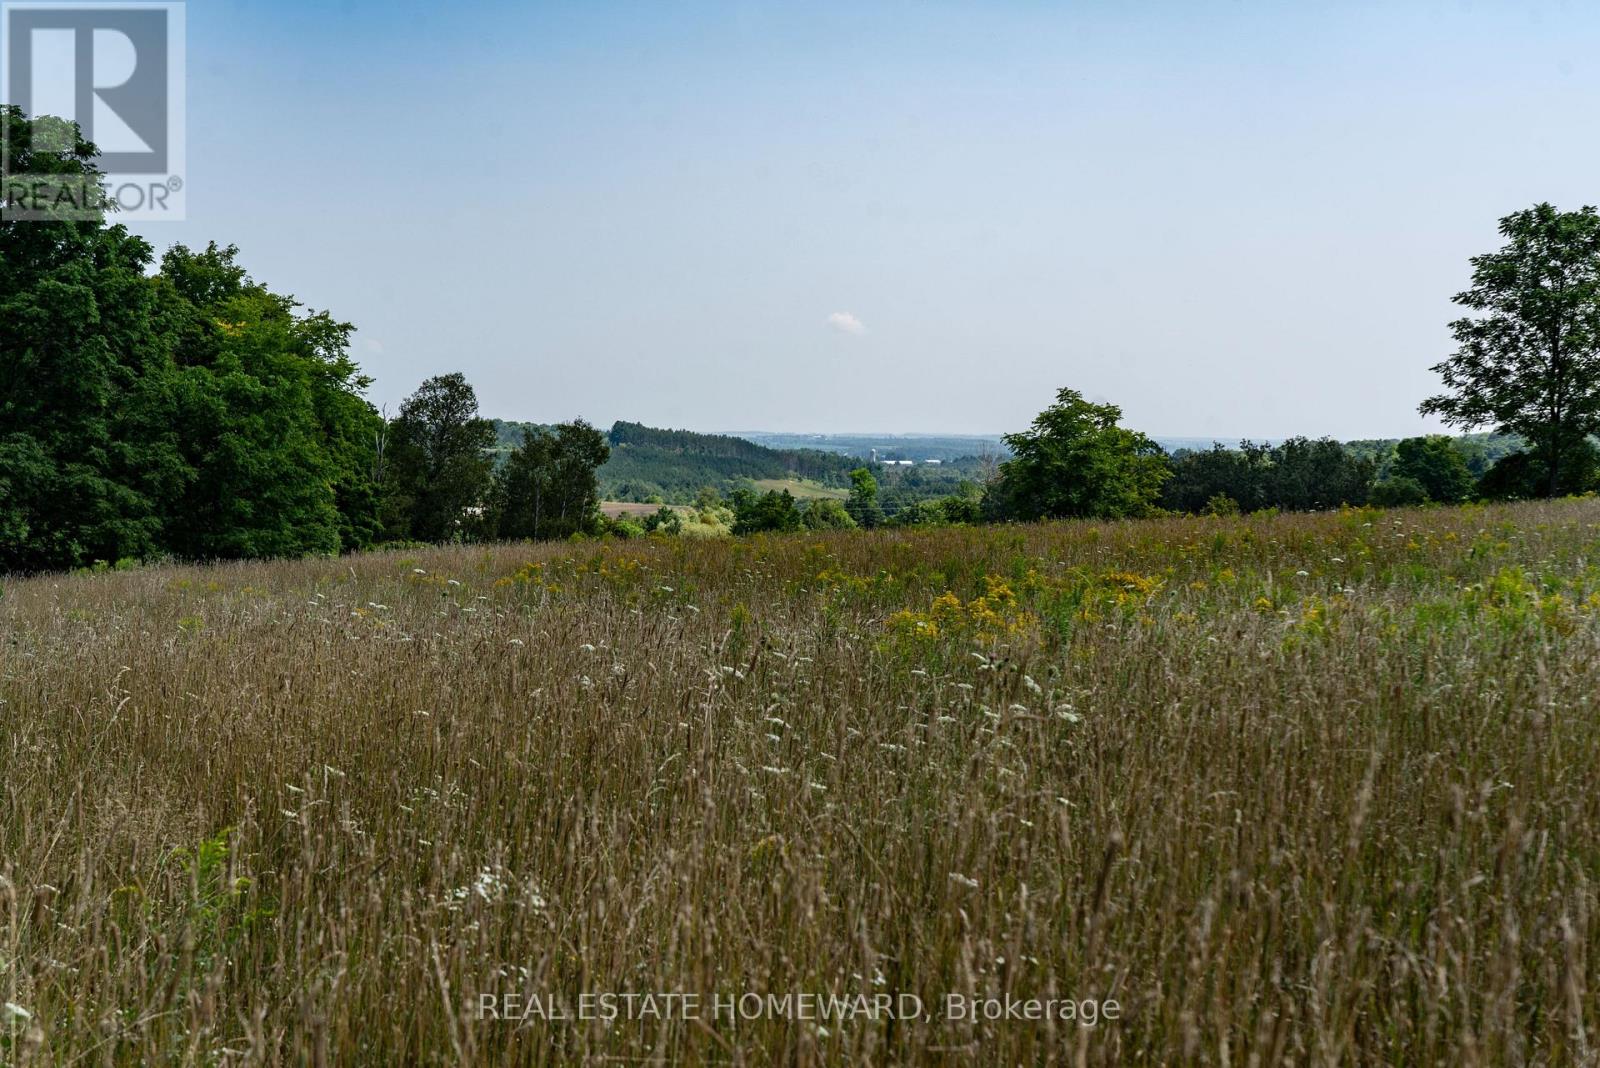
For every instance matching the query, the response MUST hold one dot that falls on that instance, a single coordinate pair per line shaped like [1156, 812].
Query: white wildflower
[488, 884]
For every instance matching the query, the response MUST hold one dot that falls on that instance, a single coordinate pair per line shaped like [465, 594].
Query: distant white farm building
[897, 463]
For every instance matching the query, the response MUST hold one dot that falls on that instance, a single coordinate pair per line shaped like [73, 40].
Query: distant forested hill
[676, 464]
[915, 447]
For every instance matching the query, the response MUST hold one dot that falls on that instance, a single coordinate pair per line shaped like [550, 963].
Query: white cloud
[372, 344]
[846, 323]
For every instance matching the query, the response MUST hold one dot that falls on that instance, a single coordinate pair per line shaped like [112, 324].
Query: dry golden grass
[1313, 789]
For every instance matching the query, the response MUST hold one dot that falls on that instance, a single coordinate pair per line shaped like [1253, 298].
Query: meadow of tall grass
[1298, 789]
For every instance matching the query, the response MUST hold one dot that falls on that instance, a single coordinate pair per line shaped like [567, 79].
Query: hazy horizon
[911, 217]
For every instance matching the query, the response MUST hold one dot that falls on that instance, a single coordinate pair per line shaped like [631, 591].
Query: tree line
[181, 408]
[1527, 364]
[189, 411]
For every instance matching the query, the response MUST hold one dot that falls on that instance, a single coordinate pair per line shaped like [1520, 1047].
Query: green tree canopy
[1435, 464]
[1398, 491]
[773, 511]
[548, 487]
[1300, 474]
[271, 416]
[1076, 461]
[434, 466]
[862, 505]
[825, 513]
[85, 380]
[1529, 362]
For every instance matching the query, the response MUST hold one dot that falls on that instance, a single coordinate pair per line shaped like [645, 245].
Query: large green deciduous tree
[1529, 362]
[548, 487]
[271, 414]
[771, 512]
[1076, 461]
[86, 451]
[193, 413]
[1436, 465]
[435, 468]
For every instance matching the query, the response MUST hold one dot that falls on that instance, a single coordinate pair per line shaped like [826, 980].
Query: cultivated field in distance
[1310, 789]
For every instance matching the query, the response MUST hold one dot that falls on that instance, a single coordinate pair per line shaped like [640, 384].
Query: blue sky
[1229, 218]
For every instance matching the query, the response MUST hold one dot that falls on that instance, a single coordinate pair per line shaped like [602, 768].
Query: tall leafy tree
[85, 381]
[548, 487]
[435, 468]
[774, 511]
[1076, 461]
[1528, 362]
[272, 417]
[862, 504]
[1436, 465]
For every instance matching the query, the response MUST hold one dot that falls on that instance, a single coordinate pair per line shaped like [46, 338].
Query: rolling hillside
[676, 464]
